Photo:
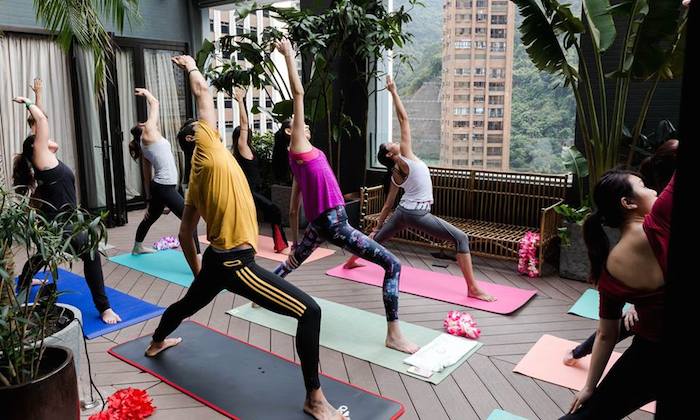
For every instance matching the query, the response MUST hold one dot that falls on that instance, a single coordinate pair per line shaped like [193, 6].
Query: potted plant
[29, 367]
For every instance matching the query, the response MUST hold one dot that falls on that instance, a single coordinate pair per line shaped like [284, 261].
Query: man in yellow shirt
[219, 192]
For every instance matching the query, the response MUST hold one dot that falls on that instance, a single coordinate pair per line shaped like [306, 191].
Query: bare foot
[110, 317]
[350, 264]
[155, 348]
[322, 410]
[140, 249]
[401, 344]
[569, 359]
[479, 294]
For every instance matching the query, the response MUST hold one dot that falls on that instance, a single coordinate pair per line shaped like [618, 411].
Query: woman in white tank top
[413, 176]
[159, 172]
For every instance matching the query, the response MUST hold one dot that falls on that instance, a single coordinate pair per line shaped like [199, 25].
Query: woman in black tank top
[38, 171]
[249, 164]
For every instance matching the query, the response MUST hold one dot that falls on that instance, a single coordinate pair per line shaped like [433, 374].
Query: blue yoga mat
[587, 305]
[169, 265]
[76, 292]
[503, 415]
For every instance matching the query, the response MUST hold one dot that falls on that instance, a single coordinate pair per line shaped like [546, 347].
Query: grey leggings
[423, 221]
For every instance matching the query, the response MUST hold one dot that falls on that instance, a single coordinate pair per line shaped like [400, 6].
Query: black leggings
[92, 270]
[237, 272]
[631, 383]
[586, 348]
[161, 196]
[270, 211]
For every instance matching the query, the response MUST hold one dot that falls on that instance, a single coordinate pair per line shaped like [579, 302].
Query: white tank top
[162, 160]
[418, 187]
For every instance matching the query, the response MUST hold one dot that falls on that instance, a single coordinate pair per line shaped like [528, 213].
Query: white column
[220, 105]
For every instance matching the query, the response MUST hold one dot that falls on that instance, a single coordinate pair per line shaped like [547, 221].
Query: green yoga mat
[168, 265]
[355, 332]
[587, 305]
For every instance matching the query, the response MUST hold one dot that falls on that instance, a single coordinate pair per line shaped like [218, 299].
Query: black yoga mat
[245, 382]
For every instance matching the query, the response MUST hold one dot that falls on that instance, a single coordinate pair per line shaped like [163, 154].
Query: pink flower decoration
[127, 404]
[167, 242]
[461, 324]
[527, 255]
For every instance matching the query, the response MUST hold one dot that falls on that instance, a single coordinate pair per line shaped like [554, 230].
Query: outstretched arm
[200, 89]
[402, 116]
[37, 87]
[243, 148]
[151, 131]
[43, 157]
[294, 202]
[299, 143]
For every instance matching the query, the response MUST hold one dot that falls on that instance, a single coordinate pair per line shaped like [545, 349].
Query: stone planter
[71, 336]
[280, 195]
[573, 258]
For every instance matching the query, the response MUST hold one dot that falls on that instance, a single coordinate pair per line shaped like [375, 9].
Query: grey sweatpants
[423, 221]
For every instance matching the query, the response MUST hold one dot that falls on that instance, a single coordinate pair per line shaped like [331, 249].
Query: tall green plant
[24, 326]
[362, 29]
[79, 23]
[652, 50]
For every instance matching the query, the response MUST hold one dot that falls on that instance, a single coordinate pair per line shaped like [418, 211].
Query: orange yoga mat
[266, 250]
[544, 362]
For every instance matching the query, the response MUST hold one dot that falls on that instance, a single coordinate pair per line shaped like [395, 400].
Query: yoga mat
[355, 332]
[503, 415]
[169, 265]
[76, 292]
[245, 382]
[440, 286]
[544, 362]
[266, 249]
[588, 304]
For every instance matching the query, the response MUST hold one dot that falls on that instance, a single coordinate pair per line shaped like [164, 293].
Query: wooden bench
[495, 209]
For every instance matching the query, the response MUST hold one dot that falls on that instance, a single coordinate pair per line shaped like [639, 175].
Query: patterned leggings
[333, 226]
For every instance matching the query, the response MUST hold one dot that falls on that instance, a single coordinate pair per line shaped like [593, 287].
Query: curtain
[162, 82]
[90, 129]
[127, 110]
[22, 58]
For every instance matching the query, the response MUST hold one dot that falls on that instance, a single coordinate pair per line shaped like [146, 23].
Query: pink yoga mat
[544, 362]
[266, 249]
[439, 286]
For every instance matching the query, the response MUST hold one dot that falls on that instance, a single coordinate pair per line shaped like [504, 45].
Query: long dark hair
[611, 188]
[280, 162]
[658, 169]
[235, 136]
[135, 143]
[23, 169]
[388, 163]
[187, 129]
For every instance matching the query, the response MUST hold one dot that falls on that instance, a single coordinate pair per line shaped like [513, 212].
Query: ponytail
[597, 243]
[22, 168]
[280, 160]
[388, 163]
[135, 143]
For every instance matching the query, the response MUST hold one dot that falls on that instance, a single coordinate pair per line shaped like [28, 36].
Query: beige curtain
[160, 80]
[22, 58]
[127, 111]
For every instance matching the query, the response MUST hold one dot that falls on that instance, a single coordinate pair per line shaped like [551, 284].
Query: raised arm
[242, 145]
[294, 202]
[299, 143]
[402, 116]
[37, 88]
[43, 158]
[200, 89]
[151, 130]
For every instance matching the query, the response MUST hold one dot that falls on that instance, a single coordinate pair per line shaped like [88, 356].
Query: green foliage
[571, 215]
[79, 23]
[24, 326]
[262, 144]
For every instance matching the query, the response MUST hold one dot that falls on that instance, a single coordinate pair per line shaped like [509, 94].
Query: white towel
[445, 350]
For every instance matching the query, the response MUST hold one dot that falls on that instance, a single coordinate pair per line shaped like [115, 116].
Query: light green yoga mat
[355, 332]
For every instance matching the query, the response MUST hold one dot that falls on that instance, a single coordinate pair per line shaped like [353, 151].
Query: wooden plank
[424, 399]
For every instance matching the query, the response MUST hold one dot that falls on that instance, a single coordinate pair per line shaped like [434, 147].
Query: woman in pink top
[633, 271]
[324, 207]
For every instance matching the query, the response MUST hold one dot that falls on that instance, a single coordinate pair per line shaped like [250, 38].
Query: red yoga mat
[440, 286]
[266, 250]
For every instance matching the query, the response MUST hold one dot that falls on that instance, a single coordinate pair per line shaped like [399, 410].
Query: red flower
[127, 404]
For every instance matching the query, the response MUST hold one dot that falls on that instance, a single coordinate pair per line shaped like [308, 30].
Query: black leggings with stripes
[237, 272]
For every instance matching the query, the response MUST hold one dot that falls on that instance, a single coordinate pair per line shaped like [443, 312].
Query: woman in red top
[632, 271]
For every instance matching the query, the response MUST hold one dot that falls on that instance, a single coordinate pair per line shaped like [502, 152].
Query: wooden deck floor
[484, 383]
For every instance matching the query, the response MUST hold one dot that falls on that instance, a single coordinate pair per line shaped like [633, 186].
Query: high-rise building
[224, 21]
[477, 65]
